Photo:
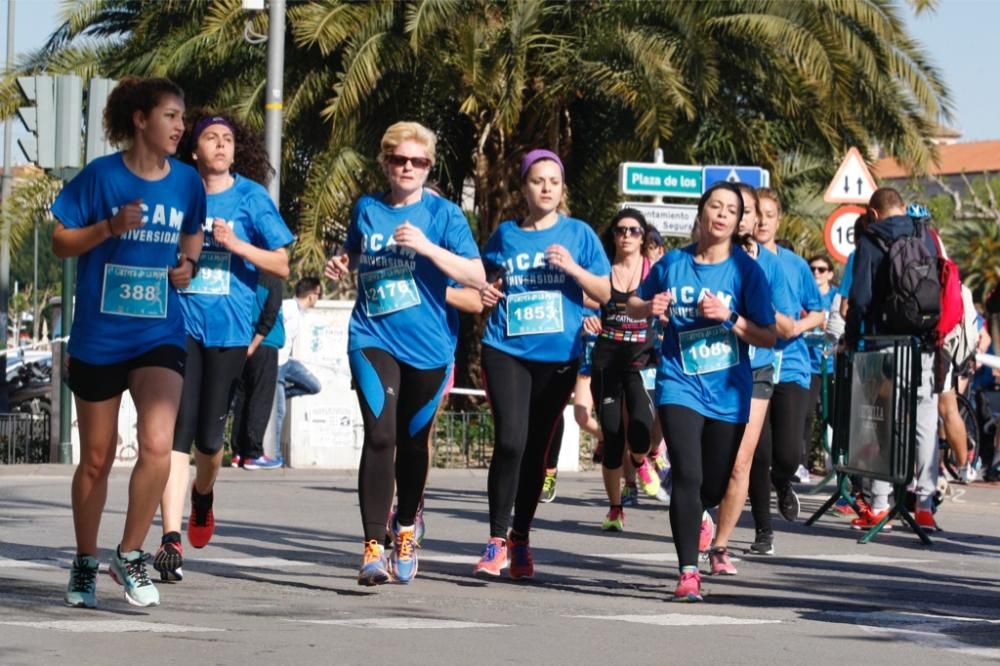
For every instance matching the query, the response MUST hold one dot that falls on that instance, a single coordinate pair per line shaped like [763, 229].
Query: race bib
[649, 378]
[131, 291]
[534, 313]
[389, 290]
[213, 275]
[706, 350]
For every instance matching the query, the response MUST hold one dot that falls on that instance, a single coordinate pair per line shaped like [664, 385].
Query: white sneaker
[967, 474]
[802, 474]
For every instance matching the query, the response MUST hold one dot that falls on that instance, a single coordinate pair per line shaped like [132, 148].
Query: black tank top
[624, 342]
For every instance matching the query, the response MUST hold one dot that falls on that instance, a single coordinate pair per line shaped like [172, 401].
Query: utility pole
[273, 107]
[5, 189]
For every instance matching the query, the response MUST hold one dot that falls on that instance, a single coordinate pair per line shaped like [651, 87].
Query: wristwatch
[733, 318]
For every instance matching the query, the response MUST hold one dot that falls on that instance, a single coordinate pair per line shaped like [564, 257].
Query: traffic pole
[274, 101]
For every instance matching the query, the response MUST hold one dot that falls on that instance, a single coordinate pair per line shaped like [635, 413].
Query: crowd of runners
[691, 369]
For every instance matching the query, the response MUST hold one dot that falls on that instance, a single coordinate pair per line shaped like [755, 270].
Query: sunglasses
[401, 160]
[634, 232]
[819, 269]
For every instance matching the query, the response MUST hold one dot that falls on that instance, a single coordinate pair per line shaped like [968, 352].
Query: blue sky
[959, 38]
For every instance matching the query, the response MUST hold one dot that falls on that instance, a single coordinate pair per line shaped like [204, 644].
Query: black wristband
[194, 266]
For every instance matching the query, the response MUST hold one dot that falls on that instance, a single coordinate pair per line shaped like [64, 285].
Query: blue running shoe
[129, 571]
[630, 496]
[403, 561]
[374, 568]
[418, 527]
[81, 592]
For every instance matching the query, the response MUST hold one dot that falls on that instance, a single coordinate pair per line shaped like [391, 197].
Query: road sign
[668, 219]
[662, 180]
[853, 182]
[839, 231]
[752, 176]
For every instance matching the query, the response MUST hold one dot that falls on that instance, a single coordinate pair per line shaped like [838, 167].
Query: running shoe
[869, 519]
[374, 567]
[688, 587]
[718, 559]
[403, 561]
[647, 479]
[966, 474]
[630, 496]
[925, 520]
[706, 533]
[844, 507]
[614, 521]
[263, 462]
[788, 502]
[493, 560]
[661, 466]
[549, 488]
[170, 558]
[763, 543]
[802, 474]
[521, 563]
[129, 571]
[419, 527]
[81, 592]
[201, 522]
[234, 461]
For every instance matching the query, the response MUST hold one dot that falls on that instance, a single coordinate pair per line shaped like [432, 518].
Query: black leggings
[398, 403]
[527, 399]
[702, 452]
[611, 387]
[209, 381]
[253, 402]
[779, 450]
[555, 446]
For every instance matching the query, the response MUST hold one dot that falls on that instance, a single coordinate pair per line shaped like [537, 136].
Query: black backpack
[912, 303]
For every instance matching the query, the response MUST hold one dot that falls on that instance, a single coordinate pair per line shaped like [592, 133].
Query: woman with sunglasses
[718, 302]
[762, 366]
[780, 449]
[244, 234]
[406, 244]
[623, 350]
[822, 270]
[549, 263]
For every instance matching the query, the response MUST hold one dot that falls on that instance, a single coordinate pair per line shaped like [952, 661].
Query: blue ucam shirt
[815, 338]
[781, 298]
[125, 304]
[704, 365]
[219, 303]
[401, 306]
[540, 315]
[792, 356]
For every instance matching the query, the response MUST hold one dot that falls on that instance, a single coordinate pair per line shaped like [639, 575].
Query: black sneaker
[763, 544]
[788, 502]
[170, 558]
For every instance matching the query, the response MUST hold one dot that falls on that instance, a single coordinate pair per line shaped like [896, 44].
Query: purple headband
[540, 154]
[210, 120]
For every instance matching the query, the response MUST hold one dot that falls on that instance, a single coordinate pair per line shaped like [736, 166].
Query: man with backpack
[897, 290]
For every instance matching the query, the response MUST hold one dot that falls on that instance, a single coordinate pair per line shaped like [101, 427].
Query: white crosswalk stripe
[108, 626]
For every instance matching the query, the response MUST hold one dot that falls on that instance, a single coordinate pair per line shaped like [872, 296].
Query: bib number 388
[708, 350]
[131, 291]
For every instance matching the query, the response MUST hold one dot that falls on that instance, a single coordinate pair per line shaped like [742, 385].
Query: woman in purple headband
[542, 268]
[244, 234]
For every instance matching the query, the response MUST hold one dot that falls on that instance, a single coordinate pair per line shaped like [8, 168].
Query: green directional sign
[663, 180]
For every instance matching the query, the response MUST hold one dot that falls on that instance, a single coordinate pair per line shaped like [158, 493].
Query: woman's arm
[274, 261]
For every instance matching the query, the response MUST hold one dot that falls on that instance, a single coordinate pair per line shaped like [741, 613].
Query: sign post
[662, 180]
[839, 231]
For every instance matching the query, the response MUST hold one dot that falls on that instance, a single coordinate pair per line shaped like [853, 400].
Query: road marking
[922, 628]
[109, 626]
[858, 558]
[9, 563]
[679, 619]
[251, 562]
[406, 623]
[449, 559]
[638, 557]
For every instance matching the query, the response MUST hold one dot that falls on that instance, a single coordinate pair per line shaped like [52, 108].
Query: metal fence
[463, 439]
[24, 438]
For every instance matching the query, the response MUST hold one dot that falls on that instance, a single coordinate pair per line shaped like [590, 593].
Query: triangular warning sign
[853, 182]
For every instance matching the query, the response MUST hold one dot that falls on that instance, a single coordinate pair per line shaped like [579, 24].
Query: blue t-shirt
[453, 319]
[845, 284]
[705, 366]
[815, 339]
[542, 310]
[125, 304]
[781, 298]
[401, 306]
[218, 304]
[792, 356]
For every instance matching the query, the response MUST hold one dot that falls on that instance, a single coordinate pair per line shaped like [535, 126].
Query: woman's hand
[660, 304]
[490, 294]
[711, 307]
[223, 234]
[337, 267]
[592, 325]
[413, 238]
[559, 257]
[181, 274]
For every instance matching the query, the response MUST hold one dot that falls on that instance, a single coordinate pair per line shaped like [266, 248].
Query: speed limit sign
[839, 232]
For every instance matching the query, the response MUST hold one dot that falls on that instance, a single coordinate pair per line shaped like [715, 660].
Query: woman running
[406, 243]
[531, 348]
[779, 451]
[623, 350]
[761, 364]
[719, 303]
[822, 270]
[244, 234]
[126, 216]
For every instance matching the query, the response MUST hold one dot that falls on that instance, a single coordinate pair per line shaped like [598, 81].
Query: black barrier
[874, 423]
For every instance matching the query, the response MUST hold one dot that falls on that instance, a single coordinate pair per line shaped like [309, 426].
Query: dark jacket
[871, 275]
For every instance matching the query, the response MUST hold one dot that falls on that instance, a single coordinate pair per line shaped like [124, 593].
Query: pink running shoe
[707, 532]
[718, 559]
[647, 478]
[688, 587]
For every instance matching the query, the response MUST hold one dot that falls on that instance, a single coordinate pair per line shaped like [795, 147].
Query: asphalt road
[277, 585]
